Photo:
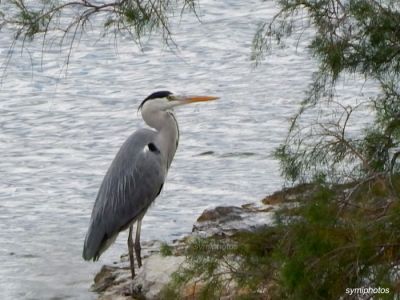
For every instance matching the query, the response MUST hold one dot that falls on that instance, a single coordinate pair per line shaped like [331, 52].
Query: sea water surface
[61, 127]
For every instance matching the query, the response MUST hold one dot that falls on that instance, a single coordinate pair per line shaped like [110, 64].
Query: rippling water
[59, 134]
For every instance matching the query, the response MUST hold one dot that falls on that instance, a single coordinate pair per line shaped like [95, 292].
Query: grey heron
[136, 176]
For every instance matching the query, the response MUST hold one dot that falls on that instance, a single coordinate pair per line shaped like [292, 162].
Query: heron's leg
[137, 243]
[130, 249]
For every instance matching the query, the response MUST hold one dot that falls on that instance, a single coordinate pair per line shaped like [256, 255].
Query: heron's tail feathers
[91, 245]
[96, 242]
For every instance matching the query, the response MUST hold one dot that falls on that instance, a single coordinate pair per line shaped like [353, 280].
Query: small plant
[165, 249]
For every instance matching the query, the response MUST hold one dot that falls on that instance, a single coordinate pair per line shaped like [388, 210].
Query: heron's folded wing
[131, 184]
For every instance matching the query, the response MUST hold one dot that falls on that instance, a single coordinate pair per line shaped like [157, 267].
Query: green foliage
[206, 263]
[29, 19]
[337, 243]
[290, 162]
[376, 145]
[350, 37]
[330, 242]
[307, 266]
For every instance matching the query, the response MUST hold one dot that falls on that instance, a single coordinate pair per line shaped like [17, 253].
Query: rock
[156, 273]
[298, 193]
[115, 283]
[221, 214]
[115, 297]
[104, 278]
[228, 220]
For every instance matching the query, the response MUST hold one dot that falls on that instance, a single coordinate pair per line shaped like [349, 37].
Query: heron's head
[165, 100]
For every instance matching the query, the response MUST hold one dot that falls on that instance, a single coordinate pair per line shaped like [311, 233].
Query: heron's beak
[192, 99]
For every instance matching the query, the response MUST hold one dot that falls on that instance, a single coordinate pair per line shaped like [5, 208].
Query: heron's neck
[168, 133]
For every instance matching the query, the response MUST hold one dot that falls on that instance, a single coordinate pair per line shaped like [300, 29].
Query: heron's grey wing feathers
[130, 185]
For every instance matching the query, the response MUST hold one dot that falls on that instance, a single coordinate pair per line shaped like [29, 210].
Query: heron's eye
[170, 97]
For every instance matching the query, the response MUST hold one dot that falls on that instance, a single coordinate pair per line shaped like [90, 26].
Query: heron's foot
[138, 255]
